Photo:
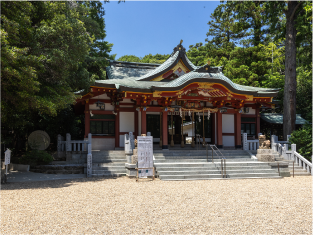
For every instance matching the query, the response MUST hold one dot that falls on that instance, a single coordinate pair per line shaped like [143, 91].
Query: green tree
[226, 31]
[129, 58]
[150, 59]
[287, 26]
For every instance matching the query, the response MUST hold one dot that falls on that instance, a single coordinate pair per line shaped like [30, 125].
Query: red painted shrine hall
[175, 101]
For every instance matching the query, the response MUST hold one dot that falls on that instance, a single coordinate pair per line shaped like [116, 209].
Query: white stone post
[284, 150]
[132, 141]
[59, 147]
[89, 138]
[127, 144]
[293, 150]
[245, 142]
[68, 142]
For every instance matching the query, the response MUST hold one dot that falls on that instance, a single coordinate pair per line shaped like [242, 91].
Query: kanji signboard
[145, 156]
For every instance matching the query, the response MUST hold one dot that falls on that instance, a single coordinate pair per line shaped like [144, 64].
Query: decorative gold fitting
[87, 101]
[206, 68]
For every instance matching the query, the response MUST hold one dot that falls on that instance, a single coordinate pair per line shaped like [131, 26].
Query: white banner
[7, 158]
[145, 156]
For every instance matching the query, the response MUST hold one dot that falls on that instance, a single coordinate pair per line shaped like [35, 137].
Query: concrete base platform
[18, 176]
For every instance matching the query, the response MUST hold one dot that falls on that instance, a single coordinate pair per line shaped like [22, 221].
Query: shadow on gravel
[60, 183]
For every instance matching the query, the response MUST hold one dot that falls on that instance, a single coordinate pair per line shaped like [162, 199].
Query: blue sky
[143, 27]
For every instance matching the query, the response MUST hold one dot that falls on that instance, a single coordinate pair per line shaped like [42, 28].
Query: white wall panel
[251, 111]
[228, 123]
[229, 141]
[127, 121]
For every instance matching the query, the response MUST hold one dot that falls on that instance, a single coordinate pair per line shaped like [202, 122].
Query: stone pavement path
[19, 176]
[124, 206]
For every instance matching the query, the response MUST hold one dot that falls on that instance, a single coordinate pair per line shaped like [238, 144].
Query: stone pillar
[238, 130]
[143, 122]
[87, 119]
[219, 135]
[164, 131]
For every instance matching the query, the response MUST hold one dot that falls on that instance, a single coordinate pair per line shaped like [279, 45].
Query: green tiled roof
[278, 118]
[131, 76]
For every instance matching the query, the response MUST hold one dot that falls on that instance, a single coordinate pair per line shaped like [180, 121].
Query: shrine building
[176, 101]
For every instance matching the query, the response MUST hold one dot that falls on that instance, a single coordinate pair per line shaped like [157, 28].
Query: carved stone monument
[265, 153]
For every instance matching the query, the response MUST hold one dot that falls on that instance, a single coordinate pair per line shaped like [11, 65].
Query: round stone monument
[39, 140]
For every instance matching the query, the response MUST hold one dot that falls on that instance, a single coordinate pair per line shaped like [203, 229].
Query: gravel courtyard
[123, 206]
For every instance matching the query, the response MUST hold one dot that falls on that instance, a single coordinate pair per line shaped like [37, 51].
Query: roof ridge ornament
[208, 69]
[180, 47]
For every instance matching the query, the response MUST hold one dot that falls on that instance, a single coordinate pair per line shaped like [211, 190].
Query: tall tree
[226, 31]
[292, 10]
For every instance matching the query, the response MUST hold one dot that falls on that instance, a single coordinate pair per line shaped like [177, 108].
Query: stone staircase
[193, 165]
[108, 163]
[299, 171]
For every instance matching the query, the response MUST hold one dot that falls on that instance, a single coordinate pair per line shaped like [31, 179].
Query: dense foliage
[152, 59]
[303, 139]
[48, 51]
[36, 157]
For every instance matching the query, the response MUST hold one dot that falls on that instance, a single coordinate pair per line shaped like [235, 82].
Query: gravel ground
[122, 206]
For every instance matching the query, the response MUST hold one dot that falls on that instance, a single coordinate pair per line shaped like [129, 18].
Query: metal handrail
[221, 157]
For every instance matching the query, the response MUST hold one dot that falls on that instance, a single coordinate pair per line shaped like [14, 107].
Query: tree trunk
[290, 72]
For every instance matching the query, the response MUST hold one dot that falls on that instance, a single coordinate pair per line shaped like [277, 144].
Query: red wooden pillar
[258, 128]
[117, 129]
[143, 122]
[87, 119]
[164, 131]
[212, 116]
[238, 130]
[219, 135]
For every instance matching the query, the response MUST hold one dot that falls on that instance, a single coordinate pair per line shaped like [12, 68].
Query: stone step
[197, 151]
[204, 164]
[246, 168]
[105, 172]
[103, 164]
[108, 161]
[209, 172]
[201, 160]
[200, 157]
[271, 177]
[300, 173]
[209, 176]
[108, 175]
[110, 168]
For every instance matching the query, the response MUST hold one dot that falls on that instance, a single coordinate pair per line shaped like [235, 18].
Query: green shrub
[303, 139]
[36, 157]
